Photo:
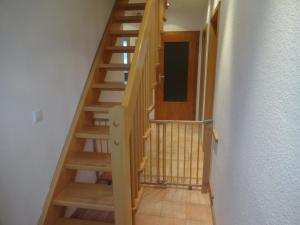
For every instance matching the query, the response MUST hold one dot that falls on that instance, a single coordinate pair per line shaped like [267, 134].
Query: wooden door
[176, 92]
[209, 95]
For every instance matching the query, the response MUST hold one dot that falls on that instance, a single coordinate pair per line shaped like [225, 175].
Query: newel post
[119, 144]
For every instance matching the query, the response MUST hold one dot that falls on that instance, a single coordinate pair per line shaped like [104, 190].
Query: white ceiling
[186, 15]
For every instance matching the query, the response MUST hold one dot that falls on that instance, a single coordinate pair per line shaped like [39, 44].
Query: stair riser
[96, 110]
[92, 136]
[88, 168]
[83, 206]
[128, 19]
[132, 6]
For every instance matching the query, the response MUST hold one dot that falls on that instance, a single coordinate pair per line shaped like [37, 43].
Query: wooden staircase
[95, 123]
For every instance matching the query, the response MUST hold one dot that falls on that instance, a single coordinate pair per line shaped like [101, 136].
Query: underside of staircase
[69, 199]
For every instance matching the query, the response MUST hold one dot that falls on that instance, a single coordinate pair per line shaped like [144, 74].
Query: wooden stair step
[100, 118]
[131, 6]
[100, 132]
[101, 107]
[125, 33]
[119, 86]
[115, 66]
[90, 161]
[68, 221]
[120, 49]
[86, 196]
[128, 19]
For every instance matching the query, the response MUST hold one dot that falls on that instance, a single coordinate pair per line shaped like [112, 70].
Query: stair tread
[110, 85]
[87, 196]
[101, 132]
[115, 66]
[90, 161]
[128, 19]
[101, 107]
[125, 33]
[120, 49]
[68, 221]
[132, 6]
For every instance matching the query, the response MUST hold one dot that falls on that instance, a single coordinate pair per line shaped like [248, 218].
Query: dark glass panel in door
[176, 63]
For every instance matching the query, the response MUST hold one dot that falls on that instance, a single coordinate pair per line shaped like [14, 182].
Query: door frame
[209, 95]
[202, 71]
[192, 80]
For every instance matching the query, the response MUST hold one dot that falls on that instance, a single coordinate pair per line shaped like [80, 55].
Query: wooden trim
[120, 154]
[143, 164]
[147, 133]
[216, 11]
[202, 70]
[154, 85]
[138, 200]
[215, 135]
[211, 197]
[209, 95]
[129, 125]
[151, 108]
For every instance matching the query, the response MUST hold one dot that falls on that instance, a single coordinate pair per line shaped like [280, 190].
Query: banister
[130, 122]
[139, 54]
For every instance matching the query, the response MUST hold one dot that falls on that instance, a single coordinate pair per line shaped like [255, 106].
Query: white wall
[46, 50]
[187, 15]
[257, 109]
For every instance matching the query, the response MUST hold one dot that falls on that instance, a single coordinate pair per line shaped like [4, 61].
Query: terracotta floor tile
[152, 208]
[174, 207]
[195, 222]
[171, 221]
[197, 197]
[155, 194]
[147, 220]
[198, 212]
[173, 210]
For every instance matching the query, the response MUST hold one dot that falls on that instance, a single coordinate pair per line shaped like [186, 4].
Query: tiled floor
[172, 206]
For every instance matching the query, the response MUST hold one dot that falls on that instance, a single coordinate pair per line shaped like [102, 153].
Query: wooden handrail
[139, 55]
[130, 122]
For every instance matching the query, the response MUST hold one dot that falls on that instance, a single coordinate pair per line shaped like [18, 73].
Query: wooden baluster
[191, 154]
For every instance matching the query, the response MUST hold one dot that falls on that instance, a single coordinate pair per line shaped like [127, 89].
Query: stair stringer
[62, 176]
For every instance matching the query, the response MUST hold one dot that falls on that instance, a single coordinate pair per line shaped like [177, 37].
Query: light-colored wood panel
[202, 72]
[128, 19]
[121, 166]
[93, 133]
[101, 107]
[90, 161]
[119, 86]
[209, 96]
[67, 221]
[131, 6]
[115, 66]
[87, 196]
[124, 33]
[121, 49]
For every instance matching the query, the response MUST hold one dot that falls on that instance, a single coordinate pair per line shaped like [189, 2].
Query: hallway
[170, 206]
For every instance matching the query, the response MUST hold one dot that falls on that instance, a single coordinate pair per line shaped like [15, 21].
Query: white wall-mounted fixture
[37, 116]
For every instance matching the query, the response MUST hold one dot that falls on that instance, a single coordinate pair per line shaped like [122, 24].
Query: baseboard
[211, 197]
